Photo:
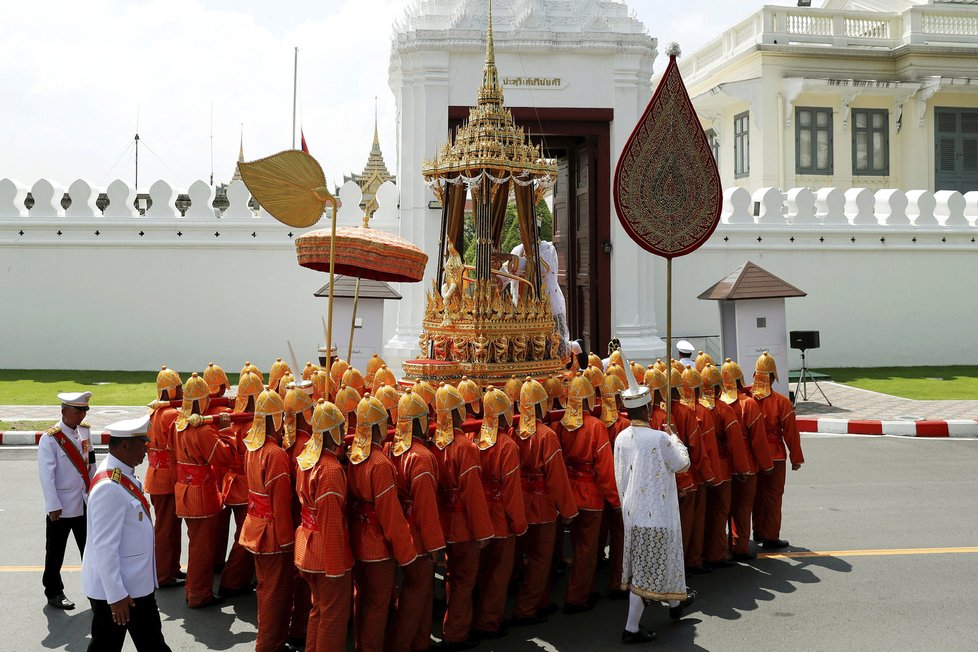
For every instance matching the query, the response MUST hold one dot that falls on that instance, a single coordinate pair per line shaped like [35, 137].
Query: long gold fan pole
[669, 342]
[353, 321]
[329, 311]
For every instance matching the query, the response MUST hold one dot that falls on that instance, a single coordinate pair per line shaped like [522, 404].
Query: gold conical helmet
[497, 404]
[532, 393]
[765, 372]
[214, 376]
[702, 359]
[447, 400]
[249, 384]
[279, 369]
[410, 407]
[269, 404]
[611, 387]
[166, 380]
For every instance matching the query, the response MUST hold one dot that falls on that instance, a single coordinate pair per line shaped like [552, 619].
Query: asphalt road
[856, 498]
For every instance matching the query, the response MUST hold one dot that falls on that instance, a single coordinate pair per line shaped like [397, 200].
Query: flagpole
[295, 84]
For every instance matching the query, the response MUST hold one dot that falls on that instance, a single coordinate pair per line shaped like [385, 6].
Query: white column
[420, 84]
[637, 277]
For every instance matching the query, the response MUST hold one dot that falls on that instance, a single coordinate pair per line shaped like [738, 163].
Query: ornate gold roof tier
[492, 319]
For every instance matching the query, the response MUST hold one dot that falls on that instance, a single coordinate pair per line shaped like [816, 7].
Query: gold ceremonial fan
[290, 185]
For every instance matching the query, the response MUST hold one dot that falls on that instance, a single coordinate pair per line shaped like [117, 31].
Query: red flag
[305, 148]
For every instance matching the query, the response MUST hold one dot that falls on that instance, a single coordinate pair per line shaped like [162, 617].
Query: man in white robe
[645, 462]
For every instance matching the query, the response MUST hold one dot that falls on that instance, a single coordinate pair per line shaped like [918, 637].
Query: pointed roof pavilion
[375, 172]
[751, 282]
[237, 172]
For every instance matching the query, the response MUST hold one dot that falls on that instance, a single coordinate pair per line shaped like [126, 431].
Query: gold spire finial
[491, 92]
[241, 145]
[376, 135]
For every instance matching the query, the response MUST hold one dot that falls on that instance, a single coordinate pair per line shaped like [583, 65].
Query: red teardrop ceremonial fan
[667, 187]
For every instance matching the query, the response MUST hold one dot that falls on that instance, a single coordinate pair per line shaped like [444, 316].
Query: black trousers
[55, 541]
[144, 627]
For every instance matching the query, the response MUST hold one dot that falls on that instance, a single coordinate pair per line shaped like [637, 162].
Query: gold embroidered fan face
[290, 185]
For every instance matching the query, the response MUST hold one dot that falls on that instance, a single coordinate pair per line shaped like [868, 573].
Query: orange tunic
[197, 451]
[782, 432]
[322, 542]
[688, 431]
[235, 489]
[546, 488]
[161, 471]
[590, 465]
[731, 450]
[616, 429]
[501, 483]
[416, 474]
[461, 500]
[706, 472]
[378, 529]
[755, 436]
[268, 528]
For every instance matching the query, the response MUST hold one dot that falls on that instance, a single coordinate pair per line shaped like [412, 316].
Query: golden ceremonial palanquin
[491, 319]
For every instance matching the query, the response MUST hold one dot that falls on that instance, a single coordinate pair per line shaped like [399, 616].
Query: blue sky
[76, 75]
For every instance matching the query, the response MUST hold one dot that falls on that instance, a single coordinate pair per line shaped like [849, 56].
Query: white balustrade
[121, 198]
[920, 209]
[860, 204]
[950, 208]
[12, 196]
[238, 198]
[768, 205]
[47, 199]
[891, 207]
[350, 196]
[163, 199]
[800, 203]
[736, 206]
[83, 197]
[201, 196]
[971, 205]
[830, 206]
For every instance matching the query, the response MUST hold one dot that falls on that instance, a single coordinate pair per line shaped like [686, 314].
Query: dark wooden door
[562, 227]
[956, 142]
[581, 318]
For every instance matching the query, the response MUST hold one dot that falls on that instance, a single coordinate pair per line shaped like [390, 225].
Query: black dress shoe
[549, 610]
[718, 564]
[214, 601]
[677, 612]
[61, 602]
[617, 594]
[570, 608]
[641, 636]
[525, 622]
[744, 556]
[774, 544]
[181, 575]
[174, 584]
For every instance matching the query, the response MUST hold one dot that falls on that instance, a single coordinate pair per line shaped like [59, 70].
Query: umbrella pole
[669, 342]
[353, 321]
[329, 309]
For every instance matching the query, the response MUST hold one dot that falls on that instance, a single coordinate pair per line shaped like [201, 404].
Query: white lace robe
[646, 461]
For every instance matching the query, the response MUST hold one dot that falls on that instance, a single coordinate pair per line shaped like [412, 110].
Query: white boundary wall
[889, 276]
[159, 289]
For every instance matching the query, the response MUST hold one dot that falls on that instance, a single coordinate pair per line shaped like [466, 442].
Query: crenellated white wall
[888, 275]
[85, 290]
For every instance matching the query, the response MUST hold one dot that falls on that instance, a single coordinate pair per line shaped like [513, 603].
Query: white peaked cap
[129, 428]
[75, 399]
[685, 347]
[635, 395]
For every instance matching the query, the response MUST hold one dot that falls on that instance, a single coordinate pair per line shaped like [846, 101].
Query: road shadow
[211, 627]
[811, 408]
[69, 630]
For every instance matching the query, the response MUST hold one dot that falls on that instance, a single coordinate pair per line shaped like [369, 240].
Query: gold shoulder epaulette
[85, 424]
[53, 430]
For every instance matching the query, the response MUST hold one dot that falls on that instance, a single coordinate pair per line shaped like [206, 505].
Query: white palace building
[846, 136]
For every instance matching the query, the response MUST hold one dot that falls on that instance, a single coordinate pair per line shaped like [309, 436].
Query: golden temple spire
[491, 92]
[376, 135]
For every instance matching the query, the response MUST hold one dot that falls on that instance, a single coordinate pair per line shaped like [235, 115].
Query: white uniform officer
[686, 352]
[119, 568]
[64, 470]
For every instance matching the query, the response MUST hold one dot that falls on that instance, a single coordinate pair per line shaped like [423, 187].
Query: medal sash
[116, 475]
[75, 456]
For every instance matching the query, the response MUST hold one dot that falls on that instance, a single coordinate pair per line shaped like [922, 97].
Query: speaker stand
[803, 380]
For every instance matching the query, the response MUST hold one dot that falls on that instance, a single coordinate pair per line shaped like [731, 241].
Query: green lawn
[922, 383]
[29, 426]
[40, 386]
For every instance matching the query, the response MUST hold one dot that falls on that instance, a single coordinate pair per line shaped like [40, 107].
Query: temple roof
[344, 287]
[751, 282]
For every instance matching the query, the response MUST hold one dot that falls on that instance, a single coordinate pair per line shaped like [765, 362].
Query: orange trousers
[200, 560]
[462, 571]
[715, 529]
[410, 626]
[301, 605]
[495, 571]
[332, 598]
[584, 543]
[537, 545]
[375, 583]
[276, 578]
[613, 531]
[694, 554]
[167, 533]
[221, 536]
[240, 567]
[741, 505]
[767, 503]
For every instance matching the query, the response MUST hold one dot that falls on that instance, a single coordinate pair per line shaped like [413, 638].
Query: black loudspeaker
[803, 340]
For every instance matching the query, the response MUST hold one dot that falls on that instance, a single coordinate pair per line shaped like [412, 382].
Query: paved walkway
[854, 403]
[847, 403]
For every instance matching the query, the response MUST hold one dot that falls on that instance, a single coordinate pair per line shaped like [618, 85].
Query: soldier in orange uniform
[584, 441]
[732, 461]
[240, 568]
[783, 441]
[546, 491]
[614, 418]
[268, 532]
[218, 383]
[691, 382]
[499, 458]
[199, 448]
[464, 514]
[758, 457]
[278, 370]
[299, 406]
[161, 478]
[322, 542]
[416, 473]
[379, 533]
